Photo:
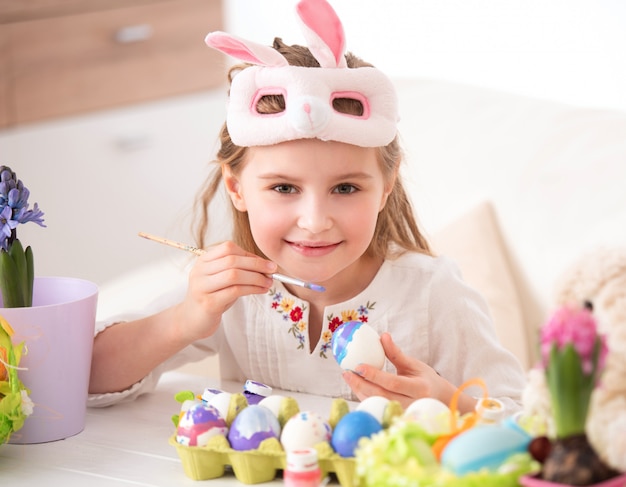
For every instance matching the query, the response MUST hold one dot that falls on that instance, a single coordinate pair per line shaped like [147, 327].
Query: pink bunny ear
[244, 50]
[323, 32]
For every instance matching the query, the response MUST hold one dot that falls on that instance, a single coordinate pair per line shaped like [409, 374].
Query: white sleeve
[192, 353]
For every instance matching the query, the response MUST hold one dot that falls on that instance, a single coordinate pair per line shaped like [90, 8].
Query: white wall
[567, 50]
[85, 177]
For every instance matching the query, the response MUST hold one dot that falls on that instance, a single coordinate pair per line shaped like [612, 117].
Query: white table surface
[125, 444]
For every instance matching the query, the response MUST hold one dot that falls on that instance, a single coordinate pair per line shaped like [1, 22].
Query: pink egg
[198, 424]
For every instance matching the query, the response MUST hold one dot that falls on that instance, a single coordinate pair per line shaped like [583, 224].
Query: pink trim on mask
[354, 95]
[267, 91]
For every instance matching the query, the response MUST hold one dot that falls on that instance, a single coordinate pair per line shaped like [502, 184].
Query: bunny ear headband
[309, 93]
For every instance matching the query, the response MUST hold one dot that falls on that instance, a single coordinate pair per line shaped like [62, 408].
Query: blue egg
[483, 447]
[251, 426]
[350, 429]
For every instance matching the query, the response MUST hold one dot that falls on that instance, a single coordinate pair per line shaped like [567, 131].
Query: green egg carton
[254, 466]
[263, 464]
[250, 467]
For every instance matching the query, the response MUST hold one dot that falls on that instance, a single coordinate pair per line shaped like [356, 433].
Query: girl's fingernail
[359, 371]
[271, 266]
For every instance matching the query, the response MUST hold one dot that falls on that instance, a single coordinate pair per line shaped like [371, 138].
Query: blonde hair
[396, 228]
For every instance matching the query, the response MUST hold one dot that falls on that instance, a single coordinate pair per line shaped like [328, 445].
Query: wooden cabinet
[65, 57]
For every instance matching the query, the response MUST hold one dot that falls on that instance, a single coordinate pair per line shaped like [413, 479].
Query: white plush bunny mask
[308, 92]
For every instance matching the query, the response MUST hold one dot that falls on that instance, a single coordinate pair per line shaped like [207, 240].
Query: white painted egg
[272, 403]
[355, 343]
[375, 405]
[305, 430]
[221, 402]
[431, 414]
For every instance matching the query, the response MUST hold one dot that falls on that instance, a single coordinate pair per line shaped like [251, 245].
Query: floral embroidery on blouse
[293, 314]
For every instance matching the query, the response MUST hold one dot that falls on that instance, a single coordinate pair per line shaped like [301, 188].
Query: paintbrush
[197, 251]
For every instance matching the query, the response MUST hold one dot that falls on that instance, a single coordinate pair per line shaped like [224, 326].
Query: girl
[310, 160]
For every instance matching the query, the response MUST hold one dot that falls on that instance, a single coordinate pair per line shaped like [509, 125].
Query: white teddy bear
[597, 280]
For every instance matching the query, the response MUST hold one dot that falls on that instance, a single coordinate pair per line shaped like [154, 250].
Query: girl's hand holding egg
[413, 379]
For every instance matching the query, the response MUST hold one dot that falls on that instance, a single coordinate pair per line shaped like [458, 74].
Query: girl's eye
[345, 189]
[284, 188]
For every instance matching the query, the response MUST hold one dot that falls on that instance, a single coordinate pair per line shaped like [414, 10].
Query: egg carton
[254, 466]
[217, 458]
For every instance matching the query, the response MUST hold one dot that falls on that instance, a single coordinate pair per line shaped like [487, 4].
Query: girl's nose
[314, 216]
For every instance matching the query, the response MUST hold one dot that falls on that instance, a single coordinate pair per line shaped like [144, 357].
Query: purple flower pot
[58, 331]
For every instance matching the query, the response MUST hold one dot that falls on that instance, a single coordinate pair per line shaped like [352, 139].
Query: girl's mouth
[313, 249]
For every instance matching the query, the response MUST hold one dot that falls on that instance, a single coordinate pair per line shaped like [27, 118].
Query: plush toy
[597, 280]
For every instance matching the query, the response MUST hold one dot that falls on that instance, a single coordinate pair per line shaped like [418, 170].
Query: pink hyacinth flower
[576, 326]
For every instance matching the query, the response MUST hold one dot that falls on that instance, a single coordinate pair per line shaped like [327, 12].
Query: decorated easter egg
[350, 429]
[187, 404]
[480, 447]
[432, 415]
[198, 424]
[304, 430]
[251, 426]
[355, 343]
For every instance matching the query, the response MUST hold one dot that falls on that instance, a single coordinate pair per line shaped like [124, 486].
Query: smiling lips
[313, 249]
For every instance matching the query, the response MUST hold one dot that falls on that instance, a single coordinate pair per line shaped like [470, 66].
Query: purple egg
[251, 426]
[198, 424]
[350, 429]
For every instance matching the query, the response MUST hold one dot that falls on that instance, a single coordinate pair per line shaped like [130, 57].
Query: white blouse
[421, 301]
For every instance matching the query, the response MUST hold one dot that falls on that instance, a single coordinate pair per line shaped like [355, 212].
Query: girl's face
[312, 206]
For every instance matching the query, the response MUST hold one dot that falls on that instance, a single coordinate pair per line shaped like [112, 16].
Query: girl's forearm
[125, 353]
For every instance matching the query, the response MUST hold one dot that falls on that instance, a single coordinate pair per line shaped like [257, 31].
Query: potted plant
[51, 317]
[16, 285]
[16, 263]
[573, 354]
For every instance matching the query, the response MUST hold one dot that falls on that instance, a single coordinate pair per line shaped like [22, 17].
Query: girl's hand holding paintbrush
[221, 274]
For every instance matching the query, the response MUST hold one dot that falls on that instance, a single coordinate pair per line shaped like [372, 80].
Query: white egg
[375, 405]
[221, 402]
[431, 414]
[304, 430]
[272, 403]
[355, 343]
